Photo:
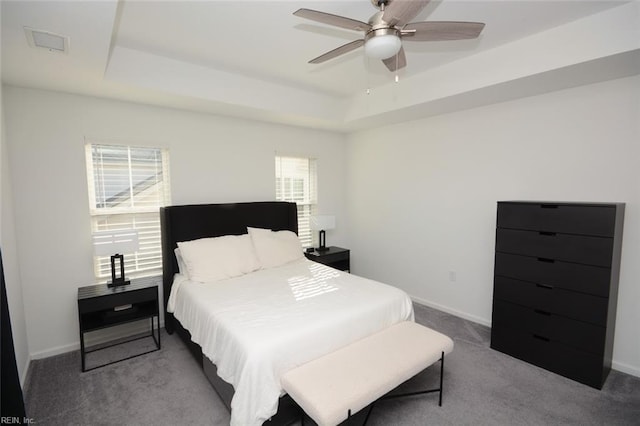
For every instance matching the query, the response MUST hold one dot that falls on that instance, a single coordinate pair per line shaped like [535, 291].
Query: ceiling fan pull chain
[397, 60]
[367, 70]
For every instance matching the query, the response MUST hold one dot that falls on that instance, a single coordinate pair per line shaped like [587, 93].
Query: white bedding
[257, 326]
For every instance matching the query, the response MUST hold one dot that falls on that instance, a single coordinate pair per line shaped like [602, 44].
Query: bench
[329, 389]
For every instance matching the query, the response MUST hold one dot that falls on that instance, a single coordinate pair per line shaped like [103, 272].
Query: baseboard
[96, 338]
[25, 371]
[625, 368]
[451, 311]
[55, 351]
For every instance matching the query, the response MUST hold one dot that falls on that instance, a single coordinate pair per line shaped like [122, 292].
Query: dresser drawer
[557, 357]
[580, 335]
[570, 304]
[569, 219]
[571, 248]
[570, 276]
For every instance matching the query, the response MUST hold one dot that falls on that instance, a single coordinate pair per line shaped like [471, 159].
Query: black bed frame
[190, 222]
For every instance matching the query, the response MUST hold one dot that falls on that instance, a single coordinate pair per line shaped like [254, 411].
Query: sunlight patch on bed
[314, 284]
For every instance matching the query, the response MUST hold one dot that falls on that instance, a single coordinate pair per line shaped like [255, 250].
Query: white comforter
[260, 325]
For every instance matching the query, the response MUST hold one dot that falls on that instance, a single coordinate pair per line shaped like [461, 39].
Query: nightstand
[336, 257]
[101, 307]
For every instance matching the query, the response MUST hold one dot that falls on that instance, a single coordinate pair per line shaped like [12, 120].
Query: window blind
[296, 181]
[127, 186]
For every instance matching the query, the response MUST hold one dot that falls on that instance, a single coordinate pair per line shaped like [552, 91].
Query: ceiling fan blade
[337, 52]
[442, 30]
[399, 12]
[396, 62]
[330, 19]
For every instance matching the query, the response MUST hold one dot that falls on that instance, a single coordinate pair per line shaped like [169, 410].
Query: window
[127, 187]
[296, 181]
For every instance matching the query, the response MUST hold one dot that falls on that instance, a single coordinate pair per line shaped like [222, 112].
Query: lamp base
[118, 283]
[323, 238]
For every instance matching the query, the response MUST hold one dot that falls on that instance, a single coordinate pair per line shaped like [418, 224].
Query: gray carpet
[482, 387]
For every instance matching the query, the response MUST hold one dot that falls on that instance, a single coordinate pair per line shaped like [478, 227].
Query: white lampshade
[382, 46]
[323, 222]
[107, 243]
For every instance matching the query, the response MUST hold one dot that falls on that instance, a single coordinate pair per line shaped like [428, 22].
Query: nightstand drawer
[331, 258]
[577, 334]
[579, 306]
[571, 248]
[334, 257]
[117, 299]
[570, 276]
[550, 217]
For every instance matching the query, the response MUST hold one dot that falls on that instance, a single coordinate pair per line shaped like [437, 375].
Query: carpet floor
[482, 387]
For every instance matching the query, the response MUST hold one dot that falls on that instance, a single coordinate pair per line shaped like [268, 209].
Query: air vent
[47, 40]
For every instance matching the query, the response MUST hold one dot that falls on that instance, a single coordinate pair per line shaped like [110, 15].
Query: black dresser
[556, 285]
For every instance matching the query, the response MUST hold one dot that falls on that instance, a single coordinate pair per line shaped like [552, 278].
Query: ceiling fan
[386, 29]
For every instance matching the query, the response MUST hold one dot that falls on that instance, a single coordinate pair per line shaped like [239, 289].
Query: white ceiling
[249, 58]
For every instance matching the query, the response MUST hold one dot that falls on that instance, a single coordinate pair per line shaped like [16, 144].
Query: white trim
[625, 368]
[105, 336]
[25, 370]
[451, 311]
[56, 351]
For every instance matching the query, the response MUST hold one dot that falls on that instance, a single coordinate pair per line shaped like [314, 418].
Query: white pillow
[218, 258]
[182, 267]
[275, 248]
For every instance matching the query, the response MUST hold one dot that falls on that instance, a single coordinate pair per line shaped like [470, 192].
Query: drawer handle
[545, 286]
[123, 307]
[548, 206]
[541, 312]
[545, 260]
[539, 337]
[547, 234]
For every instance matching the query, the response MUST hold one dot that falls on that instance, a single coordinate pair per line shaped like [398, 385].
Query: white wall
[422, 195]
[9, 256]
[212, 159]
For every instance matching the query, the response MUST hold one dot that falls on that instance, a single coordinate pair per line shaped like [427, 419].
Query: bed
[250, 329]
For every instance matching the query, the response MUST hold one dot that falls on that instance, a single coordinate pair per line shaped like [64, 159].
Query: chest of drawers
[556, 285]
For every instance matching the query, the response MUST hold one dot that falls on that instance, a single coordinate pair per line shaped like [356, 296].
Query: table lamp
[322, 223]
[114, 244]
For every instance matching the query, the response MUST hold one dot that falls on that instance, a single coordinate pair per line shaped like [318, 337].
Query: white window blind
[127, 187]
[296, 181]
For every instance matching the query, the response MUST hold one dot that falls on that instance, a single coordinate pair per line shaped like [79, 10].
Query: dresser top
[564, 203]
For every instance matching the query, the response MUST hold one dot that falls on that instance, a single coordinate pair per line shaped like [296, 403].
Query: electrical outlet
[452, 276]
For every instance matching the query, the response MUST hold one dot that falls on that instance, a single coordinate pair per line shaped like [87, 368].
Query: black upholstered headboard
[190, 222]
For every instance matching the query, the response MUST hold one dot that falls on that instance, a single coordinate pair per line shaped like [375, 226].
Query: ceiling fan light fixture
[382, 43]
[382, 46]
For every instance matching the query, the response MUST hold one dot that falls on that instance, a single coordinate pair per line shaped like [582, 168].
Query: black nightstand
[336, 257]
[101, 307]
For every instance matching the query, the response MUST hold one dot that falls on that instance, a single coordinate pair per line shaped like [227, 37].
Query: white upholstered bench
[333, 387]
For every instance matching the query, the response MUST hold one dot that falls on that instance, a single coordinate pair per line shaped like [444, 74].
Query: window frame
[308, 203]
[147, 261]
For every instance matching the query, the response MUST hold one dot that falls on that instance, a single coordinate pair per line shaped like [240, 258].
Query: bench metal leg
[441, 377]
[425, 391]
[402, 395]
